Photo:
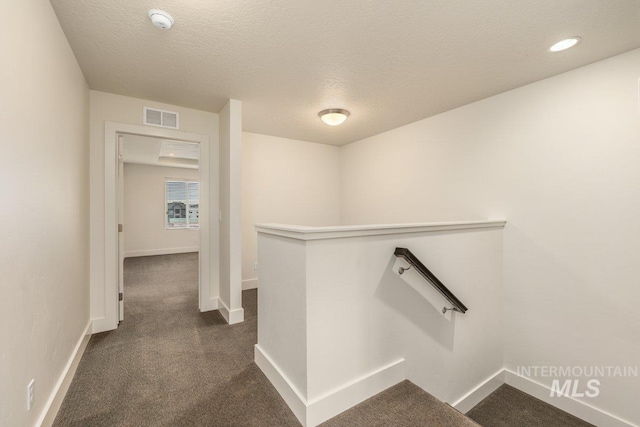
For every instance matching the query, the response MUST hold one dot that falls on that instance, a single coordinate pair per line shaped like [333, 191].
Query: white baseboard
[568, 404]
[210, 305]
[102, 324]
[294, 399]
[348, 395]
[317, 410]
[168, 251]
[249, 284]
[48, 415]
[484, 389]
[231, 316]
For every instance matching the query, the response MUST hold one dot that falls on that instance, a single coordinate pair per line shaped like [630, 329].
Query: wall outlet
[31, 390]
[255, 266]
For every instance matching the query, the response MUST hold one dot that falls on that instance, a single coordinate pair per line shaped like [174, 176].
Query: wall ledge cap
[302, 232]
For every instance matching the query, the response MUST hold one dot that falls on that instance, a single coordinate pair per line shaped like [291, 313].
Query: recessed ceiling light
[160, 19]
[334, 116]
[565, 44]
[171, 154]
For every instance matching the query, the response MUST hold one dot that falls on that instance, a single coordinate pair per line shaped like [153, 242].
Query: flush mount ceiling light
[334, 116]
[160, 19]
[565, 44]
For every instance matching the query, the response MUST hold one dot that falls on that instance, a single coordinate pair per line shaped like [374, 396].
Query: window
[183, 204]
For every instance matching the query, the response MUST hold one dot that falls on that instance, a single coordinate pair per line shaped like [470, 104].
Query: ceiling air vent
[154, 117]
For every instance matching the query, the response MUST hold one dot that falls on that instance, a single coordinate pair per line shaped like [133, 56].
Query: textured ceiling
[389, 62]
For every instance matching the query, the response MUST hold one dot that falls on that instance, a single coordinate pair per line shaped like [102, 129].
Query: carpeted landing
[403, 405]
[167, 364]
[507, 407]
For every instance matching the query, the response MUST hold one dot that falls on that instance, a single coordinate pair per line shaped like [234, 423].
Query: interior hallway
[167, 364]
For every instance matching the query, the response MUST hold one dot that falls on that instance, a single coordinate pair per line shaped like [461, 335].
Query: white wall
[288, 182]
[230, 210]
[282, 308]
[122, 109]
[44, 244]
[363, 315]
[559, 160]
[144, 212]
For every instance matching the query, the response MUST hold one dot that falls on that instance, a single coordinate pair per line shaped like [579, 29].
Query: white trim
[210, 305]
[51, 408]
[100, 324]
[167, 251]
[480, 392]
[231, 316]
[317, 410]
[354, 392]
[337, 232]
[335, 402]
[224, 310]
[209, 236]
[294, 399]
[249, 284]
[568, 404]
[572, 406]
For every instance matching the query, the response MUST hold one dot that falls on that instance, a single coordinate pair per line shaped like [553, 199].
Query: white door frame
[120, 201]
[209, 230]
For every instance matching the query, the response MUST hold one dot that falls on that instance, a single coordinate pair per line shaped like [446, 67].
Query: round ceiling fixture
[160, 19]
[334, 116]
[565, 44]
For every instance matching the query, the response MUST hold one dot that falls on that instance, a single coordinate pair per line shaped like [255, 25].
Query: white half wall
[44, 232]
[363, 315]
[288, 182]
[559, 160]
[334, 314]
[144, 212]
[230, 212]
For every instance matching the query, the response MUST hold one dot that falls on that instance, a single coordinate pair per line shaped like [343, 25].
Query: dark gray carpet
[404, 405]
[509, 407]
[167, 364]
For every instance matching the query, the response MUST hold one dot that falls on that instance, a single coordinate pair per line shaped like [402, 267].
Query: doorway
[158, 214]
[208, 230]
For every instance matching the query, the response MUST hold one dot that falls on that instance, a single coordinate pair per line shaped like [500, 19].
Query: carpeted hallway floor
[168, 364]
